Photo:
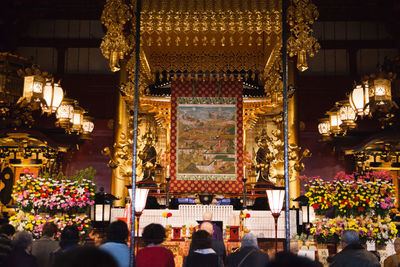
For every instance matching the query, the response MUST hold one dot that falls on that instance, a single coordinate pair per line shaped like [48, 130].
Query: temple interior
[205, 105]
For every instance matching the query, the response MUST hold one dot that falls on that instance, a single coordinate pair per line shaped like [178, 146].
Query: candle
[244, 171]
[168, 171]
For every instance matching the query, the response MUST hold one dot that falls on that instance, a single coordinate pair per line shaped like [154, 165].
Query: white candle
[168, 171]
[244, 171]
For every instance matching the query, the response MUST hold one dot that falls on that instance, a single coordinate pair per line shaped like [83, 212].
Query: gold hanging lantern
[87, 127]
[359, 99]
[380, 90]
[347, 115]
[65, 113]
[33, 88]
[324, 127]
[334, 120]
[77, 119]
[53, 95]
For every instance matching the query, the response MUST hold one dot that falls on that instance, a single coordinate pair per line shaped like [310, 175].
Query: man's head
[49, 229]
[350, 237]
[117, 232]
[8, 230]
[207, 226]
[249, 240]
[207, 216]
[397, 245]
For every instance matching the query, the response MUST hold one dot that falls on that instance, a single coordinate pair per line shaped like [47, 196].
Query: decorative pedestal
[234, 233]
[176, 234]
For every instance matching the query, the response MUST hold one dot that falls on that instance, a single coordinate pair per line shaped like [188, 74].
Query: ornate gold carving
[276, 154]
[301, 16]
[114, 45]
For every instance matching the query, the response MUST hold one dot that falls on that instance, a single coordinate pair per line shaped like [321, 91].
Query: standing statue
[148, 155]
[263, 157]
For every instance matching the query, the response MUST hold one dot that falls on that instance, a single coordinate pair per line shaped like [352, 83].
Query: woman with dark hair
[154, 255]
[69, 239]
[117, 236]
[201, 255]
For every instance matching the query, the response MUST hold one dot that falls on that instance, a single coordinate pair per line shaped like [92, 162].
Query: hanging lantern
[334, 120]
[53, 95]
[302, 64]
[380, 91]
[359, 99]
[65, 113]
[324, 127]
[77, 119]
[347, 115]
[87, 126]
[33, 88]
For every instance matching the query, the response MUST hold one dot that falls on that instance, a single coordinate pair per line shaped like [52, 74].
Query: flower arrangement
[371, 193]
[49, 195]
[34, 223]
[166, 214]
[369, 228]
[245, 214]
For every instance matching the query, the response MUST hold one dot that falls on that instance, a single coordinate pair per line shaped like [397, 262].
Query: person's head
[287, 259]
[153, 233]
[397, 245]
[69, 236]
[22, 240]
[249, 240]
[350, 237]
[207, 216]
[201, 239]
[207, 226]
[117, 232]
[49, 229]
[8, 230]
[85, 256]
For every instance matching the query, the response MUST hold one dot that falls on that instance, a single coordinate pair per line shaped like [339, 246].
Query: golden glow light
[65, 113]
[53, 95]
[347, 114]
[324, 127]
[33, 88]
[359, 99]
[77, 119]
[380, 90]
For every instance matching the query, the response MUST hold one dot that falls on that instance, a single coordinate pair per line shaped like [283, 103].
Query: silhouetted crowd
[20, 250]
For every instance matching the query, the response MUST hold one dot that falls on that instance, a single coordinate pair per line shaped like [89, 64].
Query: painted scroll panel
[206, 148]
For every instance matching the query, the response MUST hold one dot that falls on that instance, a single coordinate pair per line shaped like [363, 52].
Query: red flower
[80, 228]
[315, 206]
[247, 215]
[360, 209]
[41, 191]
[169, 214]
[356, 198]
[348, 206]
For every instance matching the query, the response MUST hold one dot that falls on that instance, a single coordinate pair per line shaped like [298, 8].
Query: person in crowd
[153, 235]
[201, 253]
[6, 233]
[85, 256]
[393, 260]
[42, 247]
[21, 253]
[217, 232]
[97, 237]
[353, 254]
[117, 236]
[288, 259]
[217, 245]
[69, 239]
[249, 254]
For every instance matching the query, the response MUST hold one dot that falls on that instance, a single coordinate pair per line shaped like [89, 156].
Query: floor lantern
[275, 201]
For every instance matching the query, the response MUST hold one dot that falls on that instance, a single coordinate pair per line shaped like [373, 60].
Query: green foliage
[87, 174]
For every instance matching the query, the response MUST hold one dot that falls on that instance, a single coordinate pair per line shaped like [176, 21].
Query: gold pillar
[121, 119]
[293, 124]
